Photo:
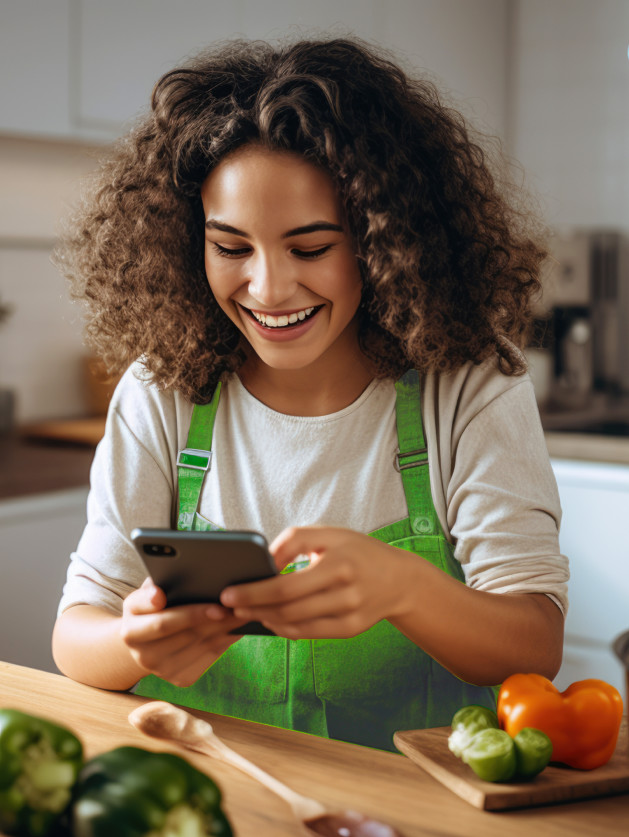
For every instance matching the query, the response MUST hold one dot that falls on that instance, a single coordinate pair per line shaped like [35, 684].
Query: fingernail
[228, 597]
[215, 612]
[242, 613]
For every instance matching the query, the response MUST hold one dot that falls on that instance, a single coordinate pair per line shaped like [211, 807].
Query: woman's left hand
[352, 582]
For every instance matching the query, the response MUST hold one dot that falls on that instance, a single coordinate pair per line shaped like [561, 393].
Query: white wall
[40, 344]
[549, 76]
[569, 121]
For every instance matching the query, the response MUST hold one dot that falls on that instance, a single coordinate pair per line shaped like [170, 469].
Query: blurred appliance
[589, 305]
[609, 268]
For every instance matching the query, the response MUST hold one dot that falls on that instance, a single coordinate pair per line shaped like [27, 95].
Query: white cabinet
[35, 67]
[595, 502]
[569, 115]
[37, 535]
[85, 68]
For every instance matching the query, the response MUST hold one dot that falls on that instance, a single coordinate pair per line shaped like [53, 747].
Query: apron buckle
[401, 459]
[193, 458]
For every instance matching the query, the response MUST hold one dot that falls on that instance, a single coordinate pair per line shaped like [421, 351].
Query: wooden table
[385, 785]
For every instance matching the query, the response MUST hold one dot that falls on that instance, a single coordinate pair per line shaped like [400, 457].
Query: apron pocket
[248, 678]
[202, 524]
[375, 666]
[252, 670]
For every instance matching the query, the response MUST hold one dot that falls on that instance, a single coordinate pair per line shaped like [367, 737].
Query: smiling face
[280, 260]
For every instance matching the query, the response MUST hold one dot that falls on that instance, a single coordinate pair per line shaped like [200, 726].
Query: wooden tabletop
[386, 786]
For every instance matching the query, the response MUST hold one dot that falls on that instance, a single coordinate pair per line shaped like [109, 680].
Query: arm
[99, 648]
[87, 646]
[112, 628]
[501, 502]
[355, 581]
[484, 637]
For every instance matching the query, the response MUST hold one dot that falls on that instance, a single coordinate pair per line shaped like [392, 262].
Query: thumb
[148, 598]
[297, 543]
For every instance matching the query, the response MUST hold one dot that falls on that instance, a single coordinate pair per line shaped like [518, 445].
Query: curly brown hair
[449, 264]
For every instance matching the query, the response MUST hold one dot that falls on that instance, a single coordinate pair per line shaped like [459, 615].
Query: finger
[175, 643]
[186, 666]
[154, 626]
[146, 599]
[285, 588]
[303, 540]
[329, 602]
[328, 627]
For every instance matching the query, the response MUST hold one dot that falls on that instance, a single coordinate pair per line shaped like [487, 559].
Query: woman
[310, 271]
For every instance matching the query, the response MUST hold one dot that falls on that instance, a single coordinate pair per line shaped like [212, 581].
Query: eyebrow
[316, 226]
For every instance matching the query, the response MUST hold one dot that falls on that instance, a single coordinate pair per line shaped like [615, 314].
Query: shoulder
[464, 394]
[149, 414]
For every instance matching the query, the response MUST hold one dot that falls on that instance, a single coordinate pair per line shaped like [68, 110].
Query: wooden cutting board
[429, 749]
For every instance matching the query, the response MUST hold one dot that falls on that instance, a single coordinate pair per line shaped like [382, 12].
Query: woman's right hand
[179, 643]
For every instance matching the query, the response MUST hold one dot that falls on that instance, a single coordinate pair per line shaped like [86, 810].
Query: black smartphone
[193, 567]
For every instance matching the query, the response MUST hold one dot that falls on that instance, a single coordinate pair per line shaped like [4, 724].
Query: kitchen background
[549, 78]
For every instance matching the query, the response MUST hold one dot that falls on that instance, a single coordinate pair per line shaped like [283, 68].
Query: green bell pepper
[131, 792]
[39, 764]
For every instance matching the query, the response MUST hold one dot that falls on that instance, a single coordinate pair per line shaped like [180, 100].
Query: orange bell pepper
[583, 722]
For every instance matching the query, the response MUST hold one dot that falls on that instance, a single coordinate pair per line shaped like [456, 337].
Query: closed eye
[230, 253]
[311, 254]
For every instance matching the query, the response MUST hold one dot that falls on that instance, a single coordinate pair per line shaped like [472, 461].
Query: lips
[281, 326]
[284, 320]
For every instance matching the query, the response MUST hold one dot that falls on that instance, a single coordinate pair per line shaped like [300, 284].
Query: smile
[284, 320]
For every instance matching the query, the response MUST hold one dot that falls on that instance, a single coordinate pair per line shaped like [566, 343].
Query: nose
[272, 279]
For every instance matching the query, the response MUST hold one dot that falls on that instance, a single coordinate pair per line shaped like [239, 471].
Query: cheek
[220, 278]
[353, 283]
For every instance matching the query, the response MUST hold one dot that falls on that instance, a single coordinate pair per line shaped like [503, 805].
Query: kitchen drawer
[595, 504]
[37, 535]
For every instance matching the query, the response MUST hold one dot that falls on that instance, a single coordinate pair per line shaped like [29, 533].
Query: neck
[316, 390]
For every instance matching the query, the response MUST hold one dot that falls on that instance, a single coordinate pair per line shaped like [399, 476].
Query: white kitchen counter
[588, 447]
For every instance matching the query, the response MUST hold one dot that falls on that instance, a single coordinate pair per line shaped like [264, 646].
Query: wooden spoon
[159, 719]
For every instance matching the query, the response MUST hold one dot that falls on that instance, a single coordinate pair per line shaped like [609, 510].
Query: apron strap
[194, 461]
[412, 459]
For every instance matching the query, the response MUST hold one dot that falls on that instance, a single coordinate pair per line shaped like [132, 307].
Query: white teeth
[284, 319]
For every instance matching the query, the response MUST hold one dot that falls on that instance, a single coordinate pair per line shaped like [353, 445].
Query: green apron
[360, 689]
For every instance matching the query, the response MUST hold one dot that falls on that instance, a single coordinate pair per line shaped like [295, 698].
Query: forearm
[87, 646]
[480, 637]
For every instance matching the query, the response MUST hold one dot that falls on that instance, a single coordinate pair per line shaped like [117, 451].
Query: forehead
[281, 183]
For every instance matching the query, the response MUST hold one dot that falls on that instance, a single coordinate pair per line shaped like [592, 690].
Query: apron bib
[360, 689]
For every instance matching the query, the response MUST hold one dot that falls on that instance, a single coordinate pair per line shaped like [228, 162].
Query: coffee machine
[587, 303]
[609, 269]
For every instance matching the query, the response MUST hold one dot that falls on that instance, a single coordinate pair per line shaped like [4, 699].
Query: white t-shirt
[492, 485]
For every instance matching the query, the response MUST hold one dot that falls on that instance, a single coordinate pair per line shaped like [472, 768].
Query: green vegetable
[39, 764]
[491, 755]
[533, 749]
[131, 792]
[491, 752]
[466, 723]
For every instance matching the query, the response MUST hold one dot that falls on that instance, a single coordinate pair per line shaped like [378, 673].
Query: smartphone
[193, 567]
